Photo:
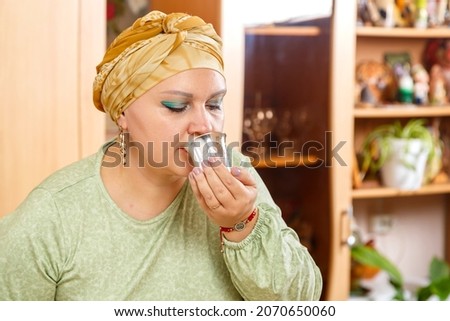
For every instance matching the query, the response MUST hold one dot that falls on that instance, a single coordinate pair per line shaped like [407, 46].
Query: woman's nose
[200, 122]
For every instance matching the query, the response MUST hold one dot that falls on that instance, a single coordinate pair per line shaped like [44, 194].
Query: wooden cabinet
[285, 112]
[49, 53]
[300, 73]
[420, 218]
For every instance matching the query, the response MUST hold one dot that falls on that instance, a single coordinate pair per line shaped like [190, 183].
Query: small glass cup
[212, 144]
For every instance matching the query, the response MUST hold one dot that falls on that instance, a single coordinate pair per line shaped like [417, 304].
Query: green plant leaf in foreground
[439, 274]
[438, 269]
[369, 256]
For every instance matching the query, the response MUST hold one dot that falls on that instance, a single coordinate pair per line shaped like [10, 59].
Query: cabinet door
[286, 107]
[47, 118]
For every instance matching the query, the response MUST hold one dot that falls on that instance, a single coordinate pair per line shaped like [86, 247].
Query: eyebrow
[220, 92]
[178, 92]
[188, 95]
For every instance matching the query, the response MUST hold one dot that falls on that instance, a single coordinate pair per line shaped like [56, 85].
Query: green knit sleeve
[31, 252]
[271, 263]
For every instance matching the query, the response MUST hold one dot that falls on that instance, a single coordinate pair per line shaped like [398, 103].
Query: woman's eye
[174, 106]
[216, 105]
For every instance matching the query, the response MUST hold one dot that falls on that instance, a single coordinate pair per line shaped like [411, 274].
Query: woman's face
[188, 103]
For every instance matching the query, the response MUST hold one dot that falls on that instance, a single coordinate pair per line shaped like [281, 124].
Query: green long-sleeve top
[69, 241]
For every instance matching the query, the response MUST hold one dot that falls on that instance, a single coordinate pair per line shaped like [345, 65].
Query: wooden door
[47, 118]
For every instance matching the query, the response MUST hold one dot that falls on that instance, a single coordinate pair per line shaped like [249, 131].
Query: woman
[152, 227]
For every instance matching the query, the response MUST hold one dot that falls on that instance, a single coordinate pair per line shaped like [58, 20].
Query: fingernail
[196, 171]
[236, 171]
[214, 161]
[204, 164]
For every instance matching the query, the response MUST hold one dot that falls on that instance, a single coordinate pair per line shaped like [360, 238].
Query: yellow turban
[154, 48]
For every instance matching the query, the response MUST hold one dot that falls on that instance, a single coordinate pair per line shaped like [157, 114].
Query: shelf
[285, 162]
[378, 192]
[283, 31]
[402, 32]
[396, 111]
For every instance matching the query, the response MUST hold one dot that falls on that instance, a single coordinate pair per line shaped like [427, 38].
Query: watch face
[239, 226]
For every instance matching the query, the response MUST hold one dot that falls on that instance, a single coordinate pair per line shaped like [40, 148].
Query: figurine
[437, 52]
[405, 92]
[438, 93]
[421, 84]
[375, 83]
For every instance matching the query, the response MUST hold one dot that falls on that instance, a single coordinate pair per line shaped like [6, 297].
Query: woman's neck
[142, 193]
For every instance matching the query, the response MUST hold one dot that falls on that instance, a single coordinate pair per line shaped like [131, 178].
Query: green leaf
[424, 293]
[440, 288]
[439, 274]
[369, 256]
[439, 269]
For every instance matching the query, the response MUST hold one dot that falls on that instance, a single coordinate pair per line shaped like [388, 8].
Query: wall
[416, 233]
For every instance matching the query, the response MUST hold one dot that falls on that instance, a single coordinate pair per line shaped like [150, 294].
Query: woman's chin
[183, 162]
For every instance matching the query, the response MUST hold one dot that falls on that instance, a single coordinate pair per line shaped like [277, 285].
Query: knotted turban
[154, 48]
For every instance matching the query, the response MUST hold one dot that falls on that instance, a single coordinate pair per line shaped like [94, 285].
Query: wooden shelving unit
[402, 32]
[401, 111]
[371, 44]
[382, 192]
[395, 111]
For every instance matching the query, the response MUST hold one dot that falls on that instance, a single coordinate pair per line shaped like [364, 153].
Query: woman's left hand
[227, 196]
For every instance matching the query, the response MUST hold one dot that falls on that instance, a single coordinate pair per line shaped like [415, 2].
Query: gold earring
[122, 146]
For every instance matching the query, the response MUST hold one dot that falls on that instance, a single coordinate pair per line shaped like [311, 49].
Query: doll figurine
[421, 84]
[438, 93]
[405, 92]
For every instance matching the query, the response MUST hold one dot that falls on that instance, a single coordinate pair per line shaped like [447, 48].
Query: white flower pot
[405, 167]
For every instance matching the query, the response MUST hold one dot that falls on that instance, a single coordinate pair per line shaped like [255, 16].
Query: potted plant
[399, 153]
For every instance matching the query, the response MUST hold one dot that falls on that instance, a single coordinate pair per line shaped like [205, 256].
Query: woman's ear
[122, 121]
